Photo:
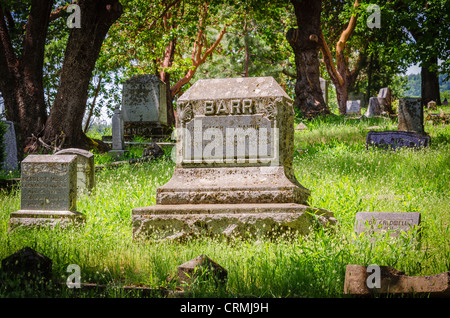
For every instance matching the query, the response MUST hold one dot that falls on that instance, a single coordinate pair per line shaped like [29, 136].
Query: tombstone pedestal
[48, 192]
[234, 170]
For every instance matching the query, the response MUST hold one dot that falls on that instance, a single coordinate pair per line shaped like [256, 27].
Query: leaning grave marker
[48, 191]
[234, 164]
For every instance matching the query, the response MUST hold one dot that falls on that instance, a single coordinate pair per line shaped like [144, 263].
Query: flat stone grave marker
[396, 139]
[144, 107]
[85, 168]
[354, 107]
[48, 191]
[382, 222]
[233, 172]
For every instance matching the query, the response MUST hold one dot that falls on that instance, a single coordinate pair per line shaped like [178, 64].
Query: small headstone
[396, 139]
[374, 108]
[85, 168]
[381, 222]
[118, 143]
[202, 267]
[354, 107]
[410, 115]
[153, 150]
[385, 99]
[27, 263]
[144, 107]
[301, 126]
[48, 191]
[9, 140]
[324, 86]
[432, 105]
[365, 281]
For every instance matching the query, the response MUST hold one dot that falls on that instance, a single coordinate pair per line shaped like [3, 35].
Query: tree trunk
[305, 43]
[430, 83]
[81, 54]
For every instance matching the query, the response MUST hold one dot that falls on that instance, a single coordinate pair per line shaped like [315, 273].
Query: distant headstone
[410, 115]
[234, 164]
[382, 222]
[396, 139]
[27, 264]
[301, 126]
[385, 99]
[85, 168]
[48, 191]
[9, 140]
[118, 143]
[204, 268]
[144, 107]
[324, 86]
[354, 107]
[374, 108]
[432, 105]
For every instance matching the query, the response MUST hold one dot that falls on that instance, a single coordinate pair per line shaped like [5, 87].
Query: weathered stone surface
[153, 150]
[9, 140]
[374, 108]
[85, 168]
[396, 139]
[144, 107]
[385, 99]
[48, 191]
[324, 86]
[239, 220]
[301, 126]
[394, 282]
[202, 267]
[432, 105]
[410, 115]
[382, 222]
[353, 107]
[233, 173]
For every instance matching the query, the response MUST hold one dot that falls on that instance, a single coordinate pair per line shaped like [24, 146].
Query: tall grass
[343, 176]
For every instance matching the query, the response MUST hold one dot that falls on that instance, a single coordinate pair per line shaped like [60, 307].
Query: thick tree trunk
[82, 51]
[430, 83]
[305, 44]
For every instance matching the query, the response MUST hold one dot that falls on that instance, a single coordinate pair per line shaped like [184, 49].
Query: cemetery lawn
[330, 159]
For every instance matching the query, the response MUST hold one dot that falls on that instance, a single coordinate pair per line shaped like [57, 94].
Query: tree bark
[305, 43]
[82, 51]
[430, 83]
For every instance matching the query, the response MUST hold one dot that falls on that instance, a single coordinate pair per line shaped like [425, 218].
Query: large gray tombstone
[144, 107]
[10, 145]
[410, 115]
[85, 168]
[48, 191]
[233, 174]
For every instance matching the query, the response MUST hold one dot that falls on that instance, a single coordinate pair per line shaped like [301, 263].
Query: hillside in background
[414, 82]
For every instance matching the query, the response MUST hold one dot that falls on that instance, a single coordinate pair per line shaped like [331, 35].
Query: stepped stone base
[44, 218]
[243, 220]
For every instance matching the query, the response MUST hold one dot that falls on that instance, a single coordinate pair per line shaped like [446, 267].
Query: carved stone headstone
[144, 107]
[354, 107]
[432, 105]
[324, 86]
[396, 139]
[234, 162]
[118, 142]
[410, 115]
[85, 168]
[382, 222]
[202, 267]
[374, 108]
[9, 140]
[48, 191]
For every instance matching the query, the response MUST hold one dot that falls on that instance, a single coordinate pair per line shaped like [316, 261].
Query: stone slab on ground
[394, 282]
[396, 139]
[201, 266]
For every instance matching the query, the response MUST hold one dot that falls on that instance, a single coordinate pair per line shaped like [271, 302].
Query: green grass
[343, 177]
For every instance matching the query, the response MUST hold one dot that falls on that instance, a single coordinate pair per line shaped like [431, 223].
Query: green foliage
[414, 85]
